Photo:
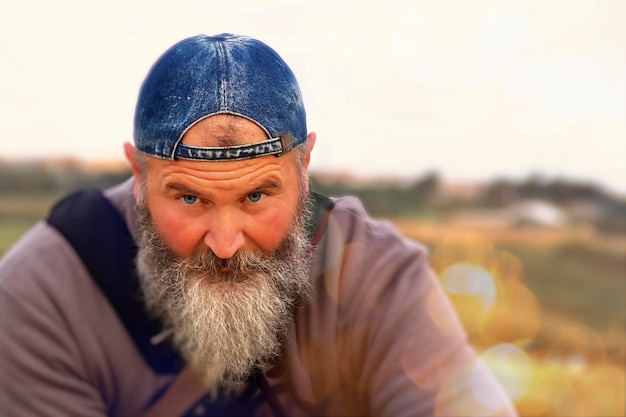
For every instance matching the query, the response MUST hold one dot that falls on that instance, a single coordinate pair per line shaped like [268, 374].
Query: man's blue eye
[254, 197]
[190, 199]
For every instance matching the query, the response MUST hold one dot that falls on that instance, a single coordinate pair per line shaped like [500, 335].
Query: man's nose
[224, 235]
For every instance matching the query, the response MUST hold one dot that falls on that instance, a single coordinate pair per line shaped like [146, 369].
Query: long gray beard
[225, 324]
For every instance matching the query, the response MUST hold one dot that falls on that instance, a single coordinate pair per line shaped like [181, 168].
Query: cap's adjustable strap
[278, 146]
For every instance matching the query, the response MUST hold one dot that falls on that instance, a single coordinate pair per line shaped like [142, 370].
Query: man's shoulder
[35, 251]
[122, 198]
[349, 211]
[361, 254]
[41, 277]
[44, 257]
[351, 217]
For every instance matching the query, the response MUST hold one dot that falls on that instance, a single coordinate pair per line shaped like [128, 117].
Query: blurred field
[556, 318]
[18, 213]
[557, 310]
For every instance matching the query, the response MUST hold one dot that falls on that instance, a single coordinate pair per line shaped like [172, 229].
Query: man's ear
[311, 137]
[131, 156]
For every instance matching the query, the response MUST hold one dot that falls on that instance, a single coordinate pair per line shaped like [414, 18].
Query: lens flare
[486, 399]
[547, 364]
[472, 290]
[511, 366]
[515, 317]
[471, 280]
[486, 288]
[437, 307]
[462, 247]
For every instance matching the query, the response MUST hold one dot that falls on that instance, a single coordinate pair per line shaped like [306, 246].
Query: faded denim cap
[203, 76]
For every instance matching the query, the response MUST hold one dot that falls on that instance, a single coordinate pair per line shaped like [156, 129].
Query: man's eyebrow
[174, 186]
[267, 184]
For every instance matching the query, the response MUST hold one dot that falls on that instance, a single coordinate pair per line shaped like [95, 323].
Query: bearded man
[214, 282]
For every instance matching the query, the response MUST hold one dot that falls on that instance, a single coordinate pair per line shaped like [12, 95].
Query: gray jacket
[378, 337]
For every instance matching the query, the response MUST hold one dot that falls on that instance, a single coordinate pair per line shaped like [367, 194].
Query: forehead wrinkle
[243, 177]
[224, 175]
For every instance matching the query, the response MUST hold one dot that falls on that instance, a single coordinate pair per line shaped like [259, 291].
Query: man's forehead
[248, 172]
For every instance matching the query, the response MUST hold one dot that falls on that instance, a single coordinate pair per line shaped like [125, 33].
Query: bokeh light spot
[437, 306]
[512, 368]
[470, 280]
[486, 398]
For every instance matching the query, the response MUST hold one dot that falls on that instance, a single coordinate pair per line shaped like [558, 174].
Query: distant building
[535, 213]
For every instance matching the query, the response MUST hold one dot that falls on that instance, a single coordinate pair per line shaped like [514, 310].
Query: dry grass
[570, 368]
[433, 232]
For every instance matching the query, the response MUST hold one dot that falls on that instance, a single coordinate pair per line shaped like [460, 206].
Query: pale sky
[471, 89]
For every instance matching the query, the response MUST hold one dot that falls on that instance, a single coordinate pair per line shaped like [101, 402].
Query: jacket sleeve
[39, 376]
[42, 370]
[409, 354]
[418, 359]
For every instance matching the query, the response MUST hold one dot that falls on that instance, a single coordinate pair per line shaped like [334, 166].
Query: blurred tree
[425, 189]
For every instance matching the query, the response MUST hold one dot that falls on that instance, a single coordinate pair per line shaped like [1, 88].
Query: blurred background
[492, 131]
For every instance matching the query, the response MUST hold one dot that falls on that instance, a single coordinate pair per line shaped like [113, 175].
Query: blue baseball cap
[203, 76]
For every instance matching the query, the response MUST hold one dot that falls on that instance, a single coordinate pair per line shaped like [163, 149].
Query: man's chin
[226, 279]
